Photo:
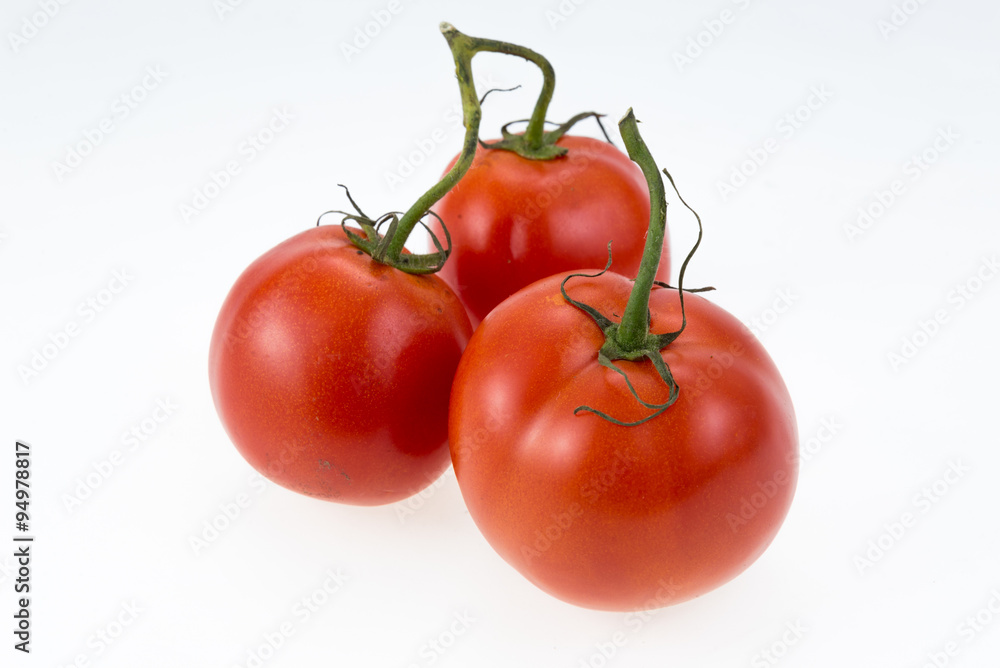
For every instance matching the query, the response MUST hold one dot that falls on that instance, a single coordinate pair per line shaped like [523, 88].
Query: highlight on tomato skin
[610, 517]
[331, 372]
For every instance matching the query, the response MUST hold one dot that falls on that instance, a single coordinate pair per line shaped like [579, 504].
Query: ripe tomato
[621, 517]
[331, 372]
[514, 221]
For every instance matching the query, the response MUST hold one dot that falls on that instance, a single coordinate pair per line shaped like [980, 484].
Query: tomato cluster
[608, 432]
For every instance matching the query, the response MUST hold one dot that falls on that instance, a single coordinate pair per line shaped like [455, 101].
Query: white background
[783, 238]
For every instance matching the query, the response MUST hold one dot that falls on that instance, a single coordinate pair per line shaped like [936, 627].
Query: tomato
[514, 221]
[331, 372]
[621, 517]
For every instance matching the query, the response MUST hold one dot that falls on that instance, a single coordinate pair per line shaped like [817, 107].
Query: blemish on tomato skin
[327, 465]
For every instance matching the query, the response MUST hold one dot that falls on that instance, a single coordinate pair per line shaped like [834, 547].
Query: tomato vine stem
[535, 143]
[389, 248]
[634, 327]
[534, 134]
[631, 339]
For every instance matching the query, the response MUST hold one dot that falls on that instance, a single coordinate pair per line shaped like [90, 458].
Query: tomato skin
[612, 517]
[331, 372]
[514, 221]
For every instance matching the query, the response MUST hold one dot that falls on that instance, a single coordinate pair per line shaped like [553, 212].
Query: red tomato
[613, 517]
[331, 372]
[514, 221]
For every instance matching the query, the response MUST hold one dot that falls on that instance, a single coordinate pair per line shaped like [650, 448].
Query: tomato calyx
[535, 143]
[544, 148]
[631, 338]
[423, 263]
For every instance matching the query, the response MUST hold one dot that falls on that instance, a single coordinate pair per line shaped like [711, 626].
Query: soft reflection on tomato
[514, 221]
[331, 372]
[612, 517]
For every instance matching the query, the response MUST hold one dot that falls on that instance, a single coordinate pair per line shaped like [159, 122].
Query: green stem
[631, 339]
[463, 49]
[534, 133]
[631, 334]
